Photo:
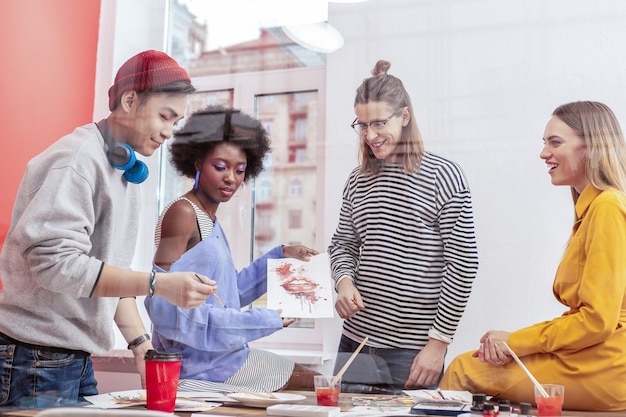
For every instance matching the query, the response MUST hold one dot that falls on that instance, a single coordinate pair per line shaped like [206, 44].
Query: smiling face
[564, 153]
[384, 141]
[222, 171]
[151, 120]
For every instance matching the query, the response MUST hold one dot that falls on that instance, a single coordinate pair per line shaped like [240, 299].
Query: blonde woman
[585, 348]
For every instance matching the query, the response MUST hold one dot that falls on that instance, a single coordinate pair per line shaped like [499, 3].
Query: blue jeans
[375, 370]
[37, 378]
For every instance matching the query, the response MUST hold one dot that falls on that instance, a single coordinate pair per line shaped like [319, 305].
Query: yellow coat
[585, 348]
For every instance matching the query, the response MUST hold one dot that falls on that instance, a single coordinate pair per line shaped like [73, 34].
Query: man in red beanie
[66, 258]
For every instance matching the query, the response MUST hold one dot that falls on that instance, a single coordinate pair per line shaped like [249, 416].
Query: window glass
[281, 205]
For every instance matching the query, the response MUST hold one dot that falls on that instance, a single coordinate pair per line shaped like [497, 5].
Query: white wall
[484, 77]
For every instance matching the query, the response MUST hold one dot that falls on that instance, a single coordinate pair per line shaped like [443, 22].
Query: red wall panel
[47, 80]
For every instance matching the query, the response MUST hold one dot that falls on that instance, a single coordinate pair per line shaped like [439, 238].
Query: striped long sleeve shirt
[407, 241]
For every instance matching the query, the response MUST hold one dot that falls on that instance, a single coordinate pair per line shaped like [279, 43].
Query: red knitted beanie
[145, 71]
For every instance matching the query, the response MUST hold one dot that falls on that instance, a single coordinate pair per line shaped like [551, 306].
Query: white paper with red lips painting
[300, 289]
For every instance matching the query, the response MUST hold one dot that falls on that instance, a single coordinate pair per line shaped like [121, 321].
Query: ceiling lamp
[318, 37]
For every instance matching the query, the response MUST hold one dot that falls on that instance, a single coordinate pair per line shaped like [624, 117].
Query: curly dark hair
[213, 125]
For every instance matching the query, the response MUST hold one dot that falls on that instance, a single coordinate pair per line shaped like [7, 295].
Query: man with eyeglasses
[404, 254]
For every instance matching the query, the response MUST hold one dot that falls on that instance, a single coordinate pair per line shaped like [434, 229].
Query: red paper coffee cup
[162, 373]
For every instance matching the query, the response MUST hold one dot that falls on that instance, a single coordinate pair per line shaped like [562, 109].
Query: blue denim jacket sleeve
[211, 327]
[252, 280]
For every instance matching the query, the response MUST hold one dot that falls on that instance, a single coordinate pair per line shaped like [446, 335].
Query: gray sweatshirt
[73, 211]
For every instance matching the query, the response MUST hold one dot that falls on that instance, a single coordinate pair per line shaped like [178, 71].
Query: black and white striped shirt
[408, 243]
[205, 224]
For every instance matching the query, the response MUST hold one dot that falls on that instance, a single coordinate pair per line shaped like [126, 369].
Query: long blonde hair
[385, 88]
[605, 152]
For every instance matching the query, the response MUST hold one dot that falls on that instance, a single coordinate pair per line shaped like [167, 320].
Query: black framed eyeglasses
[376, 125]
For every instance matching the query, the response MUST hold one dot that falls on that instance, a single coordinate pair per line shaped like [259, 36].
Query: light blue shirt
[213, 340]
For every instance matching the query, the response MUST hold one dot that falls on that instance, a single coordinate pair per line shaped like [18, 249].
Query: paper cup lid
[153, 355]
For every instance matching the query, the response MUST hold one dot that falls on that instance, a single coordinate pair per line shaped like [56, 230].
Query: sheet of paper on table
[440, 395]
[371, 411]
[118, 399]
[300, 289]
[383, 400]
[185, 401]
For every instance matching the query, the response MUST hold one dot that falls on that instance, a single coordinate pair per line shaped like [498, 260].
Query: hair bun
[381, 68]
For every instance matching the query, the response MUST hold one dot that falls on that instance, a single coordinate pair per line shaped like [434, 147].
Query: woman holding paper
[585, 348]
[220, 148]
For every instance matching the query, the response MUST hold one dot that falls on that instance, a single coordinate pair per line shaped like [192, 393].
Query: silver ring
[498, 362]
